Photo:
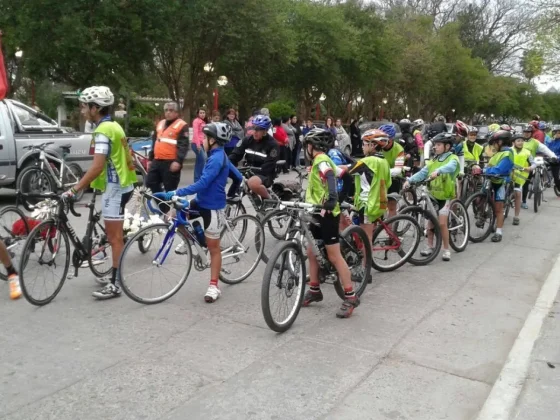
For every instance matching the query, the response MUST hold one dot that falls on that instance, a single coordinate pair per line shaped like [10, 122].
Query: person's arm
[449, 168]
[151, 153]
[238, 153]
[399, 163]
[209, 174]
[328, 176]
[419, 176]
[183, 145]
[237, 179]
[268, 167]
[542, 149]
[462, 163]
[532, 163]
[427, 149]
[102, 148]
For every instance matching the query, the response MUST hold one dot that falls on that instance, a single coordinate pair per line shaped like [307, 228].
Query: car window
[27, 118]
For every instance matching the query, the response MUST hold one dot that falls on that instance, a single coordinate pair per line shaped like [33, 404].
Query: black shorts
[396, 186]
[266, 180]
[327, 229]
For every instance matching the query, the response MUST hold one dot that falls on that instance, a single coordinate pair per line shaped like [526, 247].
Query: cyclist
[409, 142]
[111, 172]
[500, 165]
[265, 159]
[442, 171]
[322, 190]
[488, 149]
[460, 131]
[374, 179]
[210, 199]
[471, 148]
[537, 132]
[394, 154]
[417, 127]
[555, 148]
[13, 278]
[523, 158]
[534, 146]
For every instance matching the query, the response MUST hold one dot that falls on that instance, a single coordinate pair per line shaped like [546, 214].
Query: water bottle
[356, 219]
[199, 233]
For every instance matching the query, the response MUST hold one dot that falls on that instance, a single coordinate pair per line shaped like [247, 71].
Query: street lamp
[19, 54]
[208, 67]
[222, 81]
[385, 100]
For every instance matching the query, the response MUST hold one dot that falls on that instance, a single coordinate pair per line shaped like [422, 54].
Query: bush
[279, 109]
[137, 126]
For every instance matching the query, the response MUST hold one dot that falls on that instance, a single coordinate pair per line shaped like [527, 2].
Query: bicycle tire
[7, 230]
[463, 210]
[410, 197]
[272, 227]
[485, 233]
[509, 201]
[24, 181]
[30, 244]
[259, 238]
[294, 281]
[418, 213]
[239, 209]
[556, 191]
[123, 267]
[536, 191]
[276, 237]
[404, 255]
[348, 247]
[78, 173]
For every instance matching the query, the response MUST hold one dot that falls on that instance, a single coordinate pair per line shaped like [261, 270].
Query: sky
[544, 83]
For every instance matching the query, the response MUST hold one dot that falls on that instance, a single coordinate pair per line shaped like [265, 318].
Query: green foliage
[279, 109]
[137, 126]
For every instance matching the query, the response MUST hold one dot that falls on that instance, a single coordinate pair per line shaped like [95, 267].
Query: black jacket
[267, 146]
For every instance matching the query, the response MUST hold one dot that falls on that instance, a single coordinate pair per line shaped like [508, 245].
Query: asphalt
[426, 343]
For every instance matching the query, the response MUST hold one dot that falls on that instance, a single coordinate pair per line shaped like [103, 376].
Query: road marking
[505, 392]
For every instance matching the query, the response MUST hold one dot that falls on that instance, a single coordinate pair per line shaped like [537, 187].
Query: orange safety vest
[166, 144]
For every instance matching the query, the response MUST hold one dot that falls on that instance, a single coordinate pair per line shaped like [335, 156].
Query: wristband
[73, 190]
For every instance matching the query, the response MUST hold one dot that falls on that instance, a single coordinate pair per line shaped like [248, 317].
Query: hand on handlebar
[68, 195]
[165, 196]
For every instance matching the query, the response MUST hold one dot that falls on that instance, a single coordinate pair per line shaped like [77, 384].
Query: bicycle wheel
[394, 242]
[509, 202]
[357, 255]
[409, 196]
[537, 192]
[429, 224]
[14, 230]
[44, 262]
[283, 283]
[72, 175]
[34, 180]
[458, 225]
[481, 216]
[242, 241]
[158, 274]
[556, 191]
[100, 259]
[234, 209]
[276, 225]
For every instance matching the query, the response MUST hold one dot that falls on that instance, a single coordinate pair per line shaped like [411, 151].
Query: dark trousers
[159, 175]
[295, 155]
[555, 169]
[285, 154]
[525, 192]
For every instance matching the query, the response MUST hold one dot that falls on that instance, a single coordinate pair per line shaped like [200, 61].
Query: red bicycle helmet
[461, 129]
[506, 127]
[535, 124]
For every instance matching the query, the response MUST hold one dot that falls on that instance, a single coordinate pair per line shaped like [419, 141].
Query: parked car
[482, 134]
[21, 126]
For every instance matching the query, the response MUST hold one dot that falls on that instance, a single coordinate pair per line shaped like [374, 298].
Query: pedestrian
[340, 132]
[281, 137]
[170, 144]
[299, 137]
[329, 125]
[287, 126]
[355, 137]
[236, 130]
[198, 124]
[308, 127]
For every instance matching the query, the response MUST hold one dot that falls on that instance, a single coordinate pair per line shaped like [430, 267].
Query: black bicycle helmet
[503, 135]
[528, 128]
[320, 139]
[445, 138]
[220, 132]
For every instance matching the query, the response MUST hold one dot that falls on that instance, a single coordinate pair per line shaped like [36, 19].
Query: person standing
[297, 149]
[197, 140]
[281, 137]
[236, 130]
[287, 126]
[329, 125]
[355, 138]
[170, 144]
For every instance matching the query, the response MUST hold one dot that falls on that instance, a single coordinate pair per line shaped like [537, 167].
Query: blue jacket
[554, 146]
[338, 159]
[503, 168]
[210, 189]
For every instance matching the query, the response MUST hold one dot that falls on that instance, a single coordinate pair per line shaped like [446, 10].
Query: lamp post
[384, 103]
[222, 81]
[321, 100]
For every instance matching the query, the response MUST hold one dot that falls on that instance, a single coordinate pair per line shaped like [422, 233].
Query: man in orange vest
[170, 144]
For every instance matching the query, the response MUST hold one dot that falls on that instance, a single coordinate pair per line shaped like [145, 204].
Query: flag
[3, 77]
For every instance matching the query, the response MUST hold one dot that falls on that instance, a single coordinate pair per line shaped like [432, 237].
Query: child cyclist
[210, 199]
[322, 190]
[525, 164]
[442, 171]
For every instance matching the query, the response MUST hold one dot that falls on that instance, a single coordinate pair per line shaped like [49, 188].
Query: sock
[499, 231]
[314, 288]
[113, 276]
[349, 293]
[11, 270]
[214, 282]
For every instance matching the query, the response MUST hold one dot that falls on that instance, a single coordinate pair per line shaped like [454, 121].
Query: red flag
[3, 77]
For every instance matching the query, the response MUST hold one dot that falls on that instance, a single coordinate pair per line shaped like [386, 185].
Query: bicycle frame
[45, 158]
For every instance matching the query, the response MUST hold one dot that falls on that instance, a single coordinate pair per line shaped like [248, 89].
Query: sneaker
[426, 252]
[108, 292]
[15, 290]
[524, 206]
[497, 237]
[348, 307]
[311, 297]
[446, 256]
[516, 221]
[212, 294]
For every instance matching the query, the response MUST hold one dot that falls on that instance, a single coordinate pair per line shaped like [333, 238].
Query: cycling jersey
[447, 166]
[371, 186]
[317, 188]
[500, 164]
[472, 151]
[267, 147]
[521, 158]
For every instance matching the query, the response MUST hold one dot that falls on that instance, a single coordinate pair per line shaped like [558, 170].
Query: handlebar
[179, 203]
[305, 206]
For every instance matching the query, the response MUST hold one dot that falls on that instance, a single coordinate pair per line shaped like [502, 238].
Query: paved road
[426, 343]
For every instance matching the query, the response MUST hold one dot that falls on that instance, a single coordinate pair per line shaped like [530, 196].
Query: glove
[68, 195]
[553, 159]
[165, 196]
[329, 205]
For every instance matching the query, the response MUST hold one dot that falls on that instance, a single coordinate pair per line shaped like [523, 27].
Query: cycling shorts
[364, 220]
[327, 230]
[396, 186]
[443, 207]
[214, 220]
[499, 192]
[114, 200]
[266, 180]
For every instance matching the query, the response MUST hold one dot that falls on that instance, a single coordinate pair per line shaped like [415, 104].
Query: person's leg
[113, 202]
[199, 162]
[314, 293]
[170, 179]
[443, 215]
[13, 278]
[499, 197]
[517, 190]
[526, 192]
[392, 204]
[153, 177]
[256, 184]
[555, 169]
[212, 231]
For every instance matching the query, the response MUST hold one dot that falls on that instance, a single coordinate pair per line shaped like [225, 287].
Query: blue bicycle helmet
[389, 130]
[262, 122]
[542, 125]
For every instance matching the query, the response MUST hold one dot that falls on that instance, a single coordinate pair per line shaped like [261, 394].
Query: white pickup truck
[22, 126]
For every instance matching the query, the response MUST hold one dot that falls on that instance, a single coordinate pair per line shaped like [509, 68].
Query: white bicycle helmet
[419, 121]
[404, 121]
[99, 95]
[220, 132]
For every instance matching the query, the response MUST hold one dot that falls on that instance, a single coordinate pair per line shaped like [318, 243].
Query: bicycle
[426, 213]
[49, 241]
[163, 260]
[48, 173]
[141, 163]
[471, 183]
[288, 261]
[539, 183]
[14, 229]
